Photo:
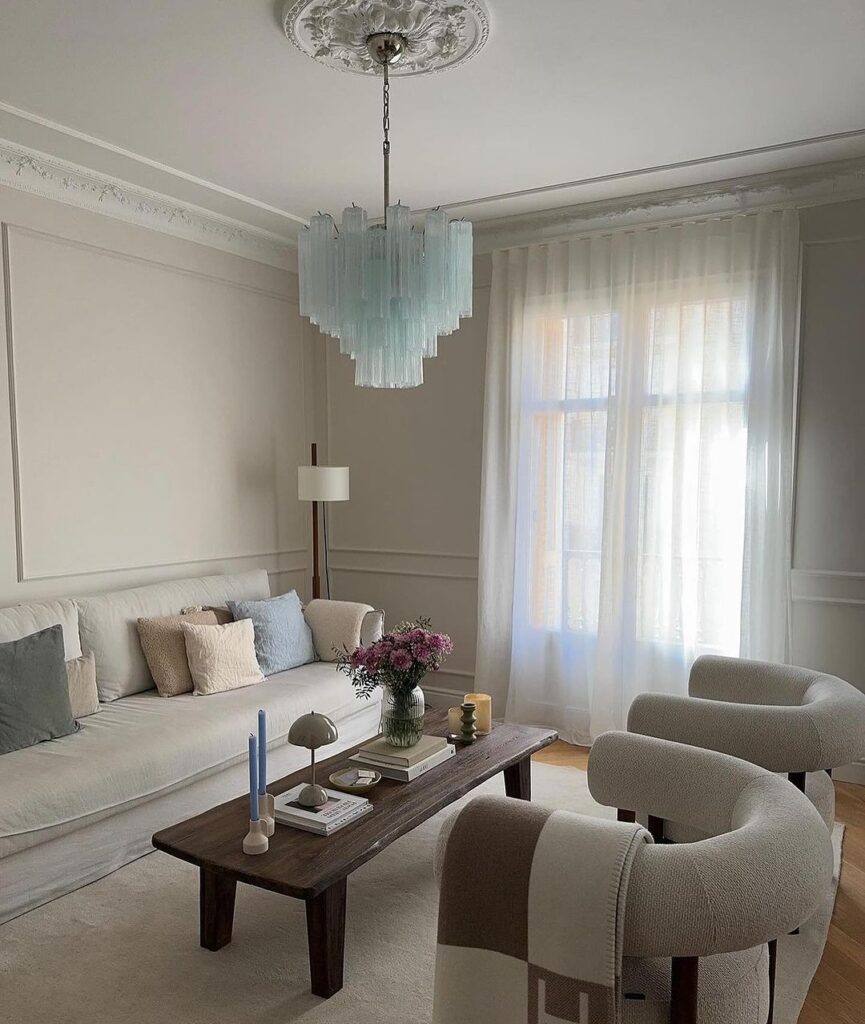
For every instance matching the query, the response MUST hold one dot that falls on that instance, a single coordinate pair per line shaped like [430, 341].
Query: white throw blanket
[531, 916]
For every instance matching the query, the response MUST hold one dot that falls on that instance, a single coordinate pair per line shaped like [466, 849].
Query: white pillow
[221, 657]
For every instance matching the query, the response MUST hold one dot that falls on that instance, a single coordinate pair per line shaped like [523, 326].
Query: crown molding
[29, 170]
[796, 187]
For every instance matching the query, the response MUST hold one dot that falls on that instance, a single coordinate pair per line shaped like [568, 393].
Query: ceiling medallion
[440, 34]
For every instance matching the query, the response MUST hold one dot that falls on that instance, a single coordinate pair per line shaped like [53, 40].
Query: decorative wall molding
[797, 187]
[23, 576]
[384, 571]
[409, 554]
[828, 586]
[443, 565]
[29, 170]
[173, 565]
[440, 34]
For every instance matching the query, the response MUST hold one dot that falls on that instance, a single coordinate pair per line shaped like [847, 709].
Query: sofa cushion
[165, 649]
[221, 657]
[34, 691]
[342, 625]
[81, 677]
[142, 746]
[283, 640]
[108, 623]
[23, 619]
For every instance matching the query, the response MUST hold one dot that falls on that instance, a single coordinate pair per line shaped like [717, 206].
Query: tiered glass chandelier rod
[387, 291]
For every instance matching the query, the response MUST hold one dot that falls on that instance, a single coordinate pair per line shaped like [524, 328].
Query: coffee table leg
[518, 779]
[325, 929]
[216, 908]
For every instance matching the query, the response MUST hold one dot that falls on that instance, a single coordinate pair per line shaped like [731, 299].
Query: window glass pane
[546, 508]
[696, 347]
[691, 524]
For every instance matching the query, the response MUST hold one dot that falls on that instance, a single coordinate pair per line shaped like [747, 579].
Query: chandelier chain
[385, 146]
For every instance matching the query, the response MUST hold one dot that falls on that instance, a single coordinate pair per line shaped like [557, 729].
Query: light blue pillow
[282, 638]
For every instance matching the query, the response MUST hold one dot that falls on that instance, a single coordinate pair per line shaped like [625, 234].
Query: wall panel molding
[8, 233]
[828, 586]
[383, 571]
[29, 170]
[445, 565]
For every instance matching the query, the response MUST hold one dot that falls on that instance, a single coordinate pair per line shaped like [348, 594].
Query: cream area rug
[124, 950]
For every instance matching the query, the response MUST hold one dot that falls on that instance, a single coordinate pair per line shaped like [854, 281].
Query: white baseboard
[851, 773]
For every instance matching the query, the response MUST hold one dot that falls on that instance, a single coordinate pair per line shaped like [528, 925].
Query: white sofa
[76, 808]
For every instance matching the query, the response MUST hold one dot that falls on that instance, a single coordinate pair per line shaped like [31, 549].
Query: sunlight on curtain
[636, 463]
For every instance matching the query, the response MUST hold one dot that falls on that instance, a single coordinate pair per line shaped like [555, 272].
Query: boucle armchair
[698, 917]
[785, 719]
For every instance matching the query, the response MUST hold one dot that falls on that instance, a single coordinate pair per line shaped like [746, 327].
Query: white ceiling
[565, 90]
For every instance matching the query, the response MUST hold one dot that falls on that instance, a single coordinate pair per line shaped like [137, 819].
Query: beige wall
[160, 396]
[408, 539]
[829, 535]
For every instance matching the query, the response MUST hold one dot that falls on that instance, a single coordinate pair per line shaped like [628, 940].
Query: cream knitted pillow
[221, 657]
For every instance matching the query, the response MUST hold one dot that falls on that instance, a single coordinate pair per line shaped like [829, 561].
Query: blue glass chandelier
[388, 291]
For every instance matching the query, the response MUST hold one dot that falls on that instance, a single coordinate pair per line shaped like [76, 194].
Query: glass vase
[402, 716]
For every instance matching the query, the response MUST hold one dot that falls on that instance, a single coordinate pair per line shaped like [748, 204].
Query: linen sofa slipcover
[74, 809]
[109, 623]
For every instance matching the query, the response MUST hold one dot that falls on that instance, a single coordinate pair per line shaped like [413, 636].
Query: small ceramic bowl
[342, 780]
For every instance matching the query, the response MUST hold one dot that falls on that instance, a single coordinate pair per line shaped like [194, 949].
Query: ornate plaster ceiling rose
[439, 34]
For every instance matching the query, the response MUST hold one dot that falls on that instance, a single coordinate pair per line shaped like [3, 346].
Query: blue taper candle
[253, 778]
[262, 751]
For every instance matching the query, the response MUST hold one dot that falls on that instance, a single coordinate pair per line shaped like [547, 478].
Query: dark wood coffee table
[314, 868]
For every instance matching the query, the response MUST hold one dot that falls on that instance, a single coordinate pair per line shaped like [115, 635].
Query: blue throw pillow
[282, 638]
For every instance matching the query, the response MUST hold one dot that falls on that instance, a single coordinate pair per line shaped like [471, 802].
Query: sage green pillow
[34, 690]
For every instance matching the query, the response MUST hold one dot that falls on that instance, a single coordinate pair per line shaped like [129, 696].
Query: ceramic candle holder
[469, 722]
[265, 813]
[255, 841]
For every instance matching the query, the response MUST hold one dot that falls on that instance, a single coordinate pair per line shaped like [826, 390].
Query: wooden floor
[837, 993]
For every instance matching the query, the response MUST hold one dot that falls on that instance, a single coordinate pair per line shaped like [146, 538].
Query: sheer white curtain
[637, 465]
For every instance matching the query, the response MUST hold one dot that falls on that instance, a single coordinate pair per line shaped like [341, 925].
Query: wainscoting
[441, 585]
[160, 396]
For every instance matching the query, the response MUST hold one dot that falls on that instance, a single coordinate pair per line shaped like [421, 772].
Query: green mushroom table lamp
[312, 731]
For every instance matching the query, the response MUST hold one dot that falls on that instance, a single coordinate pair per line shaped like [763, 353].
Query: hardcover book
[403, 757]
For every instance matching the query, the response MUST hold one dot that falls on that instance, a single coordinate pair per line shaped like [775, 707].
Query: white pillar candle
[455, 721]
[483, 711]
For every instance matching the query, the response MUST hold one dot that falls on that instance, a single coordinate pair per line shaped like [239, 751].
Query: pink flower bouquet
[398, 661]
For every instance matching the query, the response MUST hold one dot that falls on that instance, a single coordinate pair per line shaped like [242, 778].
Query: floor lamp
[320, 483]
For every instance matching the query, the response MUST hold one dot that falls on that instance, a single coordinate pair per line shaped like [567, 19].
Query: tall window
[637, 464]
[685, 455]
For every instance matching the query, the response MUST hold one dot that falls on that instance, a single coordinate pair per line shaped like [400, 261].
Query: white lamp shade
[322, 483]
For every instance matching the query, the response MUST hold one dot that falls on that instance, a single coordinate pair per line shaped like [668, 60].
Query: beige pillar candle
[484, 712]
[455, 721]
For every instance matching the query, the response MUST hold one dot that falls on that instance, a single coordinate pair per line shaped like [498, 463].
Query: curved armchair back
[764, 870]
[783, 718]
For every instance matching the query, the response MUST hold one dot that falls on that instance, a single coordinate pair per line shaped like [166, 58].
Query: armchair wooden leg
[656, 828]
[773, 960]
[798, 780]
[684, 989]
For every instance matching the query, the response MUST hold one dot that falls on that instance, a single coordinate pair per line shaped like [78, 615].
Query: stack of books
[340, 810]
[403, 763]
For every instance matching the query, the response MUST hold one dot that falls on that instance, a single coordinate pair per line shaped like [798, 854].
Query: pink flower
[401, 660]
[424, 653]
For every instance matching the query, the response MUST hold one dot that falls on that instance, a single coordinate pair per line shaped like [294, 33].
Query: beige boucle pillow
[81, 677]
[221, 657]
[165, 650]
